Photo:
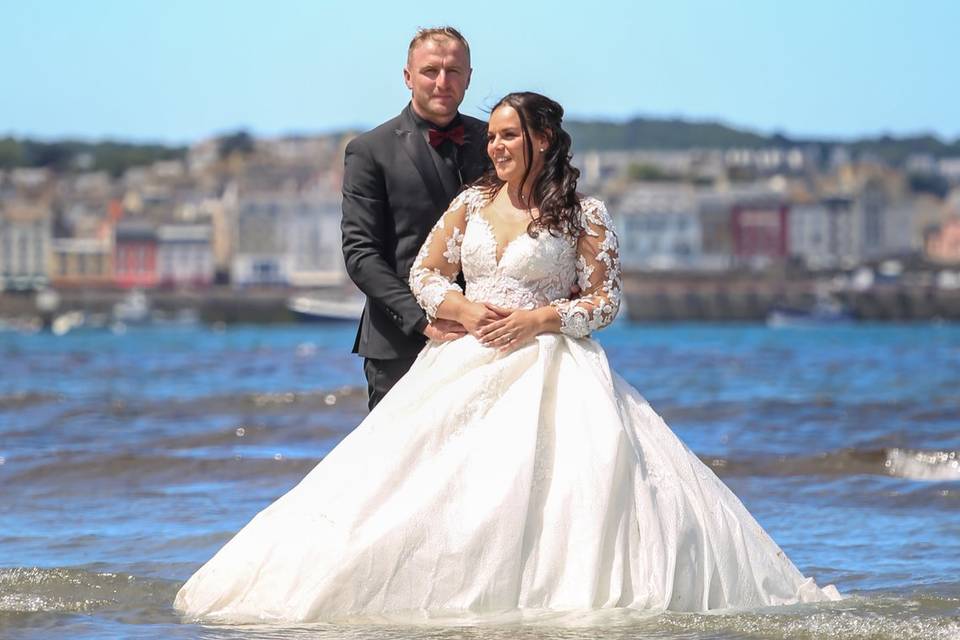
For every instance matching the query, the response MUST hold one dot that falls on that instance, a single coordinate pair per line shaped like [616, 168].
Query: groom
[397, 181]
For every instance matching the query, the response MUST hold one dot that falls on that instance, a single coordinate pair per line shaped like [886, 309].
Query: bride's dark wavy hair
[554, 190]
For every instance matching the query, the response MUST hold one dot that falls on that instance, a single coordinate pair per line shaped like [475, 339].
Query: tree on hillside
[240, 142]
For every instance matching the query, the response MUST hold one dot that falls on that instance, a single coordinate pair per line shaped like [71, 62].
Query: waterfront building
[288, 237]
[220, 212]
[81, 262]
[713, 212]
[659, 227]
[259, 242]
[823, 233]
[25, 235]
[759, 232]
[314, 241]
[185, 255]
[135, 254]
[745, 225]
[885, 211]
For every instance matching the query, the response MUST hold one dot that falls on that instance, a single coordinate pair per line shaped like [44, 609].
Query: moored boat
[307, 308]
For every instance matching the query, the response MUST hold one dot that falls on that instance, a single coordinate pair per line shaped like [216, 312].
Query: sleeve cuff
[420, 324]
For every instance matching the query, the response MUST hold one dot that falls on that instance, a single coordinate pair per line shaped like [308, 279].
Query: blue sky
[177, 71]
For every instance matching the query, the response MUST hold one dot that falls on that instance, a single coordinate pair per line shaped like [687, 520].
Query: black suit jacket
[392, 197]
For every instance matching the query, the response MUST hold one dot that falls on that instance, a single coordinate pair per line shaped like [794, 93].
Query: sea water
[127, 460]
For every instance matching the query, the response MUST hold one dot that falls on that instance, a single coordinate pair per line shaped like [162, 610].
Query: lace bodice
[531, 272]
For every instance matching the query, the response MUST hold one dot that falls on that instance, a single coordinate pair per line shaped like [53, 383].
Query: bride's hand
[475, 316]
[518, 327]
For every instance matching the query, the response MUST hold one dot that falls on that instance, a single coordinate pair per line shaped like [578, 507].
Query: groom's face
[437, 74]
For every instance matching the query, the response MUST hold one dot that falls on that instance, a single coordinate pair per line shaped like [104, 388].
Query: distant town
[705, 233]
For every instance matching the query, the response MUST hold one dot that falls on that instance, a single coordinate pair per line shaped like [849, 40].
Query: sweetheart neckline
[496, 245]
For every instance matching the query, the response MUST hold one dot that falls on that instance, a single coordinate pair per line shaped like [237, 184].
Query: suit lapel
[416, 148]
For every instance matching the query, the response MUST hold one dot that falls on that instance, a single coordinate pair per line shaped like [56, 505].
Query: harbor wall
[648, 298]
[729, 298]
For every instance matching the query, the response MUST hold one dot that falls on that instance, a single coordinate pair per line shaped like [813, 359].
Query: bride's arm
[434, 272]
[598, 276]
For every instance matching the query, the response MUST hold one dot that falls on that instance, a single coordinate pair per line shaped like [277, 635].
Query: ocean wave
[134, 600]
[128, 471]
[26, 399]
[262, 403]
[244, 452]
[856, 618]
[228, 458]
[910, 464]
[923, 465]
[72, 590]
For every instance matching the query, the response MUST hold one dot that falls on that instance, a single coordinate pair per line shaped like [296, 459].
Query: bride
[511, 469]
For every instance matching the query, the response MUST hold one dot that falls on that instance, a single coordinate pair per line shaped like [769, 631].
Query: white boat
[67, 322]
[824, 312]
[313, 309]
[133, 309]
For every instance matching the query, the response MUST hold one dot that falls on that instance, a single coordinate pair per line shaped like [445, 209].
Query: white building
[314, 241]
[185, 255]
[885, 222]
[824, 234]
[288, 238]
[659, 227]
[25, 236]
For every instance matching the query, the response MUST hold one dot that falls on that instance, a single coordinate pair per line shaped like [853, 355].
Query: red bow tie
[454, 135]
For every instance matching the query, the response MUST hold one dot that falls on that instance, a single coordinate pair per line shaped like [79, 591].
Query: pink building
[135, 255]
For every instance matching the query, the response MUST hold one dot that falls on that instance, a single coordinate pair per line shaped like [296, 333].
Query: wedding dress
[487, 482]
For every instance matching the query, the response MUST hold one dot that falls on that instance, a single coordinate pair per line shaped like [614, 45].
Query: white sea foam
[934, 466]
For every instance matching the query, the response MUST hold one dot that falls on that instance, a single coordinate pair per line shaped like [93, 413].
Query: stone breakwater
[649, 298]
[744, 298]
[216, 304]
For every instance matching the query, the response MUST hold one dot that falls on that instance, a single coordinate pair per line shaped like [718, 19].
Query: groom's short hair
[437, 33]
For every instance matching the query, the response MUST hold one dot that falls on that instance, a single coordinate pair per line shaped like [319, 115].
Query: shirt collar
[425, 125]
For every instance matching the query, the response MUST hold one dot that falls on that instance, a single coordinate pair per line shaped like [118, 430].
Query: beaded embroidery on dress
[484, 483]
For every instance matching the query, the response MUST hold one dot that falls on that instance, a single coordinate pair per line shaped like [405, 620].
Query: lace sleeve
[598, 275]
[435, 270]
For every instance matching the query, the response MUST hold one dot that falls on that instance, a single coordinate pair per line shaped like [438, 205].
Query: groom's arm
[365, 228]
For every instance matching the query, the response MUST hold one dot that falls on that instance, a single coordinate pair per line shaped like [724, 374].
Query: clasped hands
[504, 329]
[493, 326]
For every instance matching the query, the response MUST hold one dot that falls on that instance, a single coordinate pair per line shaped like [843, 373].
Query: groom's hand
[502, 312]
[444, 330]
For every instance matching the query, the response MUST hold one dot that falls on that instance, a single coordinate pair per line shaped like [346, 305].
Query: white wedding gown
[486, 483]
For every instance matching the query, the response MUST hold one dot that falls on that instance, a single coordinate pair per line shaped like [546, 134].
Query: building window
[265, 271]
